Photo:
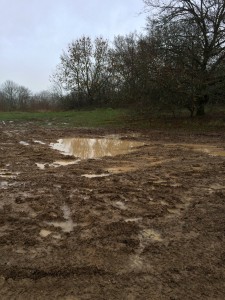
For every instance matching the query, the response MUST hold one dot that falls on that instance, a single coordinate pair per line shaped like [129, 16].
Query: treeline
[179, 63]
[14, 97]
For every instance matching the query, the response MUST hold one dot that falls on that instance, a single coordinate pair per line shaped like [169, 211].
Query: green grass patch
[81, 118]
[120, 118]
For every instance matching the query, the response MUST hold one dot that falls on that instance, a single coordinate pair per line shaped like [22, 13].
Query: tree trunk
[191, 110]
[200, 108]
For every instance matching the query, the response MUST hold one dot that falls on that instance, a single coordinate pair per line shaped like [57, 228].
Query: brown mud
[150, 226]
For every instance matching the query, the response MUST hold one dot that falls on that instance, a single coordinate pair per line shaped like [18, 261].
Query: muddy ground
[153, 229]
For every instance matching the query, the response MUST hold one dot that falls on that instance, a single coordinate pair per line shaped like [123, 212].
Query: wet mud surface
[150, 225]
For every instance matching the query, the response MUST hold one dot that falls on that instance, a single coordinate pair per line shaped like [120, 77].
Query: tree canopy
[196, 34]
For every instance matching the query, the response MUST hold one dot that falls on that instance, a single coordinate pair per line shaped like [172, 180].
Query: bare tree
[9, 91]
[15, 96]
[124, 63]
[83, 70]
[23, 97]
[206, 48]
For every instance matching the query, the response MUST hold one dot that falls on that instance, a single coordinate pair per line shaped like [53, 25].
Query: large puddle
[86, 148]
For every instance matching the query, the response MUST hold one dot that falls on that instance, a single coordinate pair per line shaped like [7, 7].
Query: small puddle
[39, 142]
[3, 184]
[86, 148]
[24, 143]
[133, 220]
[57, 163]
[121, 169]
[40, 166]
[44, 233]
[95, 175]
[120, 205]
[4, 173]
[68, 225]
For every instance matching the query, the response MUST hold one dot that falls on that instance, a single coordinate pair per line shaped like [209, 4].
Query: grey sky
[33, 33]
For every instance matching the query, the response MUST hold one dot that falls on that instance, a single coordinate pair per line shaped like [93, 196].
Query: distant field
[120, 118]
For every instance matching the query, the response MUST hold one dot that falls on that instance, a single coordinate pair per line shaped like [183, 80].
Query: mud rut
[153, 229]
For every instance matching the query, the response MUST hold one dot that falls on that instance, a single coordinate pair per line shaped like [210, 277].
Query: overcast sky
[33, 33]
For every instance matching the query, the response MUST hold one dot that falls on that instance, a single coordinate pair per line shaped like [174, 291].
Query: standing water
[86, 148]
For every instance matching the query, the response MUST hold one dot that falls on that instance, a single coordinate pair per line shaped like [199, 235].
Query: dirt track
[153, 229]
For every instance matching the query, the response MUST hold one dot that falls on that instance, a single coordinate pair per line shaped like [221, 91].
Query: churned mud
[123, 216]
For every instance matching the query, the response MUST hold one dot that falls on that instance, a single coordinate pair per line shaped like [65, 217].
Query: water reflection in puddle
[86, 148]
